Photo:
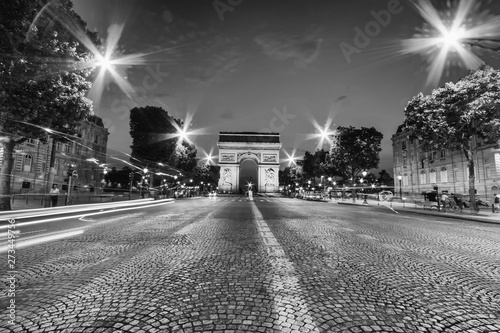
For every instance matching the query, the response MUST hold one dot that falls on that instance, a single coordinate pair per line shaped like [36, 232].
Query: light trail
[20, 224]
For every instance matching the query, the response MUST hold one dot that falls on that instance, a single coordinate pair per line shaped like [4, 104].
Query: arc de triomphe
[262, 149]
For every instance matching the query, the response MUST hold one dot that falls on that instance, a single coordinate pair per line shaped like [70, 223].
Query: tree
[454, 116]
[184, 157]
[155, 138]
[385, 178]
[317, 165]
[355, 150]
[43, 76]
[203, 172]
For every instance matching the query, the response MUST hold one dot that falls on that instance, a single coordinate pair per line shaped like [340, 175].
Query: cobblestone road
[271, 265]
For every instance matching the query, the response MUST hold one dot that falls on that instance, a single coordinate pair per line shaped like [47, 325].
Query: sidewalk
[485, 214]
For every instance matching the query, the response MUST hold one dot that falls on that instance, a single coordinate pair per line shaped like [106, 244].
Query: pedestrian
[459, 201]
[444, 199]
[496, 203]
[54, 195]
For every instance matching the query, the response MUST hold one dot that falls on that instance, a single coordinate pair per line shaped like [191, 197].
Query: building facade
[86, 152]
[417, 171]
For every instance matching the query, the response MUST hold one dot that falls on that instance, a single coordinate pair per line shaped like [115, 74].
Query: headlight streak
[60, 210]
[160, 202]
[65, 234]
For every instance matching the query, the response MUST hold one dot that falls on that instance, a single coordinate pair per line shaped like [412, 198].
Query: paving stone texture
[276, 265]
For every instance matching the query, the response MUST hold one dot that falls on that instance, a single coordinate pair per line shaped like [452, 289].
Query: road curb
[422, 212]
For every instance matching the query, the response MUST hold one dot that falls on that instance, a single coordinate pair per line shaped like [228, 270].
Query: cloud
[302, 50]
[340, 99]
[218, 57]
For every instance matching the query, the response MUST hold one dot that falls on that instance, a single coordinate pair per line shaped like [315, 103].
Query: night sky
[264, 65]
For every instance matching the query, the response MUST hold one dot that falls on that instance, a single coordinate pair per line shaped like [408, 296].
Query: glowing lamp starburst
[104, 62]
[447, 36]
[452, 38]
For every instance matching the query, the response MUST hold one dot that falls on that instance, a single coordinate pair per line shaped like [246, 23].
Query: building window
[96, 139]
[68, 147]
[30, 142]
[27, 162]
[78, 149]
[487, 172]
[443, 153]
[58, 146]
[443, 175]
[434, 155]
[422, 177]
[432, 177]
[403, 145]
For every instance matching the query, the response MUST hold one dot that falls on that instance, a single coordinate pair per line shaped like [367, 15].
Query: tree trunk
[52, 170]
[471, 156]
[5, 173]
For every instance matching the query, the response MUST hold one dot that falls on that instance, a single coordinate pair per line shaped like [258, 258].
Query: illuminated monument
[249, 159]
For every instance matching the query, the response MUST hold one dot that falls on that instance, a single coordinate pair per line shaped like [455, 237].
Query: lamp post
[362, 181]
[400, 178]
[72, 173]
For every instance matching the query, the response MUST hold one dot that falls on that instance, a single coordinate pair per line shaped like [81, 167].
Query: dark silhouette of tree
[355, 150]
[385, 178]
[155, 139]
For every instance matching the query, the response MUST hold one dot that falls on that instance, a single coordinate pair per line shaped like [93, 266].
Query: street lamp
[72, 173]
[400, 178]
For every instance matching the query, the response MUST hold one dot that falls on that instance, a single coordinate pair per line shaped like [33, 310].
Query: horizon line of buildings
[415, 171]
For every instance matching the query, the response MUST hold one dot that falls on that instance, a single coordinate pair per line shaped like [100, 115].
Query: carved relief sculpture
[270, 179]
[226, 176]
[269, 158]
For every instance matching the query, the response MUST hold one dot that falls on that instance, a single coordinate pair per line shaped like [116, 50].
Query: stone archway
[237, 147]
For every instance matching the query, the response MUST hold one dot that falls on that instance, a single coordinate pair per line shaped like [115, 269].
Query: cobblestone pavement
[273, 265]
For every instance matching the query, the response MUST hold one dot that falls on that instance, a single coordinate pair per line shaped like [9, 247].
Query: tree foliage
[317, 164]
[155, 139]
[455, 115]
[208, 174]
[355, 150]
[43, 75]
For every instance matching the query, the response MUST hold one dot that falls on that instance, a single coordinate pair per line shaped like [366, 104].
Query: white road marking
[285, 287]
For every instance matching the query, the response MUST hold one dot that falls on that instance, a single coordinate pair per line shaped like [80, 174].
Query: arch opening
[248, 174]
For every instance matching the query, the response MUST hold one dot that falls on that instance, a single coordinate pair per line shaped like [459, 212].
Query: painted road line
[285, 287]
